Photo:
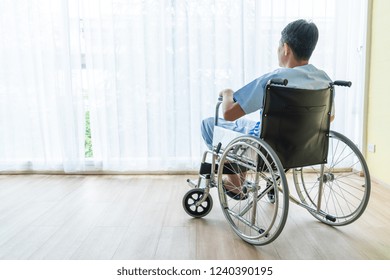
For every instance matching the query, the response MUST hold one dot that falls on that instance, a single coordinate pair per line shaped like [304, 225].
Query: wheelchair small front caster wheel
[191, 198]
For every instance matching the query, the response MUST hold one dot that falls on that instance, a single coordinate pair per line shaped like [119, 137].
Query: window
[123, 85]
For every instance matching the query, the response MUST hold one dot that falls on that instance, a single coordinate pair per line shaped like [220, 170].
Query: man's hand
[226, 92]
[231, 110]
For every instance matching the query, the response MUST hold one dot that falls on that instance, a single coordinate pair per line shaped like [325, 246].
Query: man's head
[301, 38]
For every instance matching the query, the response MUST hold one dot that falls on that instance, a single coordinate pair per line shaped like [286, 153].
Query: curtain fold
[147, 72]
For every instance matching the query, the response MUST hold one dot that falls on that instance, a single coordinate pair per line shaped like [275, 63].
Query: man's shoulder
[306, 76]
[307, 71]
[301, 75]
[299, 70]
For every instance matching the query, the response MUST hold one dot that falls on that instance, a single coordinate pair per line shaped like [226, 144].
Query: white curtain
[41, 107]
[147, 72]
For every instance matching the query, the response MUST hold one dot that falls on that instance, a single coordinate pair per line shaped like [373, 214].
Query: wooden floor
[141, 217]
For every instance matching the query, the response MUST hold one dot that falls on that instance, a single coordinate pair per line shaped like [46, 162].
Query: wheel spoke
[347, 183]
[253, 217]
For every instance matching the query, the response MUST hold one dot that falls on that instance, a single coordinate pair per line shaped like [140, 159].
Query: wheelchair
[330, 175]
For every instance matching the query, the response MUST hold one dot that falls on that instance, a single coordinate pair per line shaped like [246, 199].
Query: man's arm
[231, 110]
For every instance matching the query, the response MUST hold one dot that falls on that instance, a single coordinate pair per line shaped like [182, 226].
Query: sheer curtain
[147, 72]
[41, 107]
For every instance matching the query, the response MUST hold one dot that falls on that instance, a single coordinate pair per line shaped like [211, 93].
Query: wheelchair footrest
[228, 168]
[205, 168]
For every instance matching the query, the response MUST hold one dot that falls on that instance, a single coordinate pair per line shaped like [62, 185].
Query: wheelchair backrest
[296, 122]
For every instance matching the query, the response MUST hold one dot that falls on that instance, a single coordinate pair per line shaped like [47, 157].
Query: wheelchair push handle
[342, 83]
[277, 81]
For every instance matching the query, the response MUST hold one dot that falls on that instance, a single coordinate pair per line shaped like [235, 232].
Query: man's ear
[286, 49]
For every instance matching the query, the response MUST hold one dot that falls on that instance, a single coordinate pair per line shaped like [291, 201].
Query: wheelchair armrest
[224, 136]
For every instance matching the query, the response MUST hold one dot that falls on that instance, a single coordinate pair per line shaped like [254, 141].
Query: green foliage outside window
[88, 141]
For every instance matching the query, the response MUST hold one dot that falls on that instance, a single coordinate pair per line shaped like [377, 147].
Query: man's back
[250, 97]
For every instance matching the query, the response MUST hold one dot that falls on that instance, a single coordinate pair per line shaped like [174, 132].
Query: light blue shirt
[250, 97]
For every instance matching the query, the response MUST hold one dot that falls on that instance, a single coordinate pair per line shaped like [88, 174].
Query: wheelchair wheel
[251, 214]
[346, 183]
[190, 200]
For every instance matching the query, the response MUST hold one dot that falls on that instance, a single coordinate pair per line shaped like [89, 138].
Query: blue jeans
[241, 125]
